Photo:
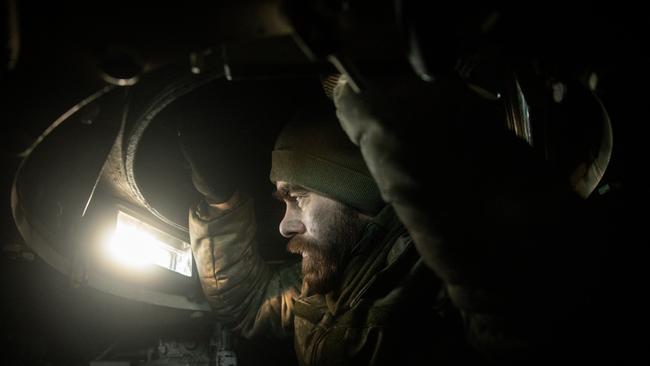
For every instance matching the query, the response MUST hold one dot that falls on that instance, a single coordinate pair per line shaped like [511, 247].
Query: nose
[291, 224]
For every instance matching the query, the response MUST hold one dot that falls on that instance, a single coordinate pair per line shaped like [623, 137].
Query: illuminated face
[322, 230]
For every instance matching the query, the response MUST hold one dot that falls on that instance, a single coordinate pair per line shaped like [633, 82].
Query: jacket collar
[377, 250]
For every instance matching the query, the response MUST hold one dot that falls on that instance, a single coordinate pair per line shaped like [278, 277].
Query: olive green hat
[313, 151]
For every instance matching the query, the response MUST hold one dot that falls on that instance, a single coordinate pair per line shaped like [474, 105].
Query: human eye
[294, 196]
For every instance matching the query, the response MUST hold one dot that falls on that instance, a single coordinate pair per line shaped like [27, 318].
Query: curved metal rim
[32, 238]
[161, 101]
[39, 244]
[35, 234]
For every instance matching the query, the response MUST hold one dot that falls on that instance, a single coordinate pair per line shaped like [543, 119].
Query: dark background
[44, 321]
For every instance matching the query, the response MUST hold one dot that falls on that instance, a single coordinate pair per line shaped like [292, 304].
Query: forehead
[282, 186]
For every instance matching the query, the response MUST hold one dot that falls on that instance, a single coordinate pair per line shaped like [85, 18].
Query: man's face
[320, 229]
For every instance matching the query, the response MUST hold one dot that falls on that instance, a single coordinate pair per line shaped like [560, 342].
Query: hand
[402, 103]
[207, 151]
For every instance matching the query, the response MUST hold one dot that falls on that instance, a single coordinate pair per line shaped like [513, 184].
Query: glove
[398, 104]
[208, 152]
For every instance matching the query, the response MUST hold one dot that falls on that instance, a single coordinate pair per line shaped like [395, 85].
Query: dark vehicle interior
[94, 95]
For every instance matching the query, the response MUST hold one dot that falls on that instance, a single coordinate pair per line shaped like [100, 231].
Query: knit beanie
[314, 152]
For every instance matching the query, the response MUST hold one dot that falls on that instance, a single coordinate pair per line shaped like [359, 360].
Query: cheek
[311, 225]
[313, 221]
[320, 225]
[319, 218]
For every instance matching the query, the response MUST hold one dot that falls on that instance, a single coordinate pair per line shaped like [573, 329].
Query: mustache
[299, 245]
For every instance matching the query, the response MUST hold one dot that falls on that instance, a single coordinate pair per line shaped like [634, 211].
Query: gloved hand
[402, 121]
[208, 151]
[403, 104]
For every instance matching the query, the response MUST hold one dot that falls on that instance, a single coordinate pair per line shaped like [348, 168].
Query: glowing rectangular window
[137, 243]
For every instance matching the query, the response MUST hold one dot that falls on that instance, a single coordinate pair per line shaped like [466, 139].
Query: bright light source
[139, 244]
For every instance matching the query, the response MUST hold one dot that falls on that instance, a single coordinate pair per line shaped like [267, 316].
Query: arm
[484, 211]
[243, 291]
